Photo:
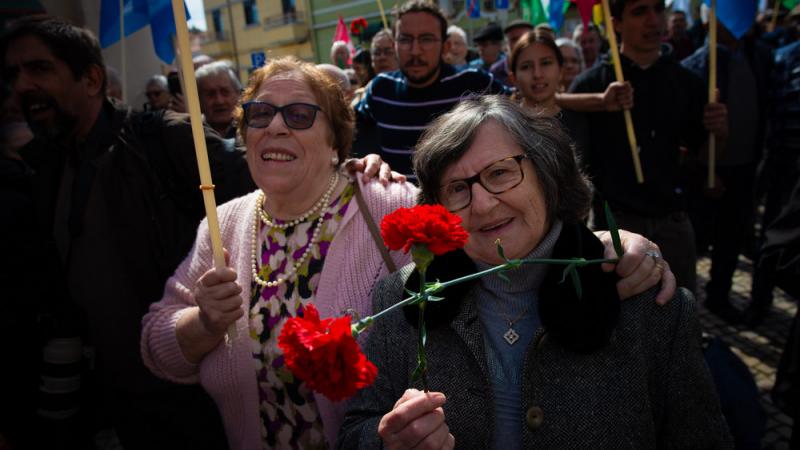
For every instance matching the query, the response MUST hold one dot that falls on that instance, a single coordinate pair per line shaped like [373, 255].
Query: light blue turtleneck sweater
[499, 302]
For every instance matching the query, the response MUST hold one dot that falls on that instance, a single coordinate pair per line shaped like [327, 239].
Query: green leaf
[576, 281]
[503, 277]
[565, 273]
[433, 287]
[613, 229]
[416, 374]
[500, 250]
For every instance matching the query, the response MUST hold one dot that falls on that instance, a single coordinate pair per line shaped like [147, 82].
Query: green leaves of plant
[613, 229]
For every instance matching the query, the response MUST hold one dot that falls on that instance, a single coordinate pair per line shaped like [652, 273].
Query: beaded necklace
[262, 216]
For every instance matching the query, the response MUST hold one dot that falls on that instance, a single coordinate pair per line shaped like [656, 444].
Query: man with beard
[399, 105]
[111, 229]
[669, 112]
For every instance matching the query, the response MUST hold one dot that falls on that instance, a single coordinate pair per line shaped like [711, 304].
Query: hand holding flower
[416, 421]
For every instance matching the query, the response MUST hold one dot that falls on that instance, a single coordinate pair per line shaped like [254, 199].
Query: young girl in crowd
[536, 70]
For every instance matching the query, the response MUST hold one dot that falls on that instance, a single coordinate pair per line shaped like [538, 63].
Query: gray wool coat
[640, 382]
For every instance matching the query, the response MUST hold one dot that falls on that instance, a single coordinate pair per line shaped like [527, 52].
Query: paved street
[760, 349]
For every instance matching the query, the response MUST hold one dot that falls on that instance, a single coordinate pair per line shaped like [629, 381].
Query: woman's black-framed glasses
[297, 116]
[498, 177]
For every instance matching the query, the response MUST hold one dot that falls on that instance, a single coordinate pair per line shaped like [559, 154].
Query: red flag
[341, 34]
[585, 10]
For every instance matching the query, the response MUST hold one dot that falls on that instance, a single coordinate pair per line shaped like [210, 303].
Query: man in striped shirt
[398, 105]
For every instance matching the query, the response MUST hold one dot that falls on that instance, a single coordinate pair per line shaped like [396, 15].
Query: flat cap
[491, 32]
[517, 23]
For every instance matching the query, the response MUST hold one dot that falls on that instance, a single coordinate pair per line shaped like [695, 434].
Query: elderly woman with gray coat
[528, 363]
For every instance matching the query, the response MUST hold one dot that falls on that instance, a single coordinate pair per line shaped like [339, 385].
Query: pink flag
[341, 34]
[585, 10]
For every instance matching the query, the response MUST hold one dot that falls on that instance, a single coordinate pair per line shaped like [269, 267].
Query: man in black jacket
[669, 113]
[117, 206]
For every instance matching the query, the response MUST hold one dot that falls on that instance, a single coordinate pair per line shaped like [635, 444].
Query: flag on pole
[534, 12]
[556, 10]
[137, 14]
[135, 19]
[790, 4]
[474, 9]
[341, 34]
[585, 8]
[162, 27]
[737, 16]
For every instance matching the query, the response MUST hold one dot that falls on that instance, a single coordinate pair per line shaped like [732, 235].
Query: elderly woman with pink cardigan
[304, 236]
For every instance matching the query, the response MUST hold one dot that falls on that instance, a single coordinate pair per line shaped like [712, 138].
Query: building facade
[249, 31]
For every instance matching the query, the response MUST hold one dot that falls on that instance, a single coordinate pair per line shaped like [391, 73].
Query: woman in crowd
[384, 58]
[302, 237]
[573, 62]
[362, 65]
[537, 68]
[340, 55]
[527, 363]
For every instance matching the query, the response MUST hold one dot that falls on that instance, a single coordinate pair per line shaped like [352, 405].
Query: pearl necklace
[303, 217]
[306, 253]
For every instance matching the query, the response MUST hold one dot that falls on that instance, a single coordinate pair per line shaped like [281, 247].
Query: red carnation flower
[358, 25]
[325, 355]
[430, 225]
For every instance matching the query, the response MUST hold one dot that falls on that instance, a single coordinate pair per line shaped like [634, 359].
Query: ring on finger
[653, 254]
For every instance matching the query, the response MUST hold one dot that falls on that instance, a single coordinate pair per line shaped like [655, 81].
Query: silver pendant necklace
[511, 336]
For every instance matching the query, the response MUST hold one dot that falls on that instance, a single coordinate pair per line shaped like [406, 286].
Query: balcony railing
[281, 20]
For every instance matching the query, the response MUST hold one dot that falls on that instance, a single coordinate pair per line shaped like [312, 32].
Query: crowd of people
[130, 329]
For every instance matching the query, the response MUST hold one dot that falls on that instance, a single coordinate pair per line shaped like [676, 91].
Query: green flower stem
[513, 264]
[422, 362]
[364, 323]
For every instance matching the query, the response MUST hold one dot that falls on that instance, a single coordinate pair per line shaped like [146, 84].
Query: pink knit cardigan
[352, 266]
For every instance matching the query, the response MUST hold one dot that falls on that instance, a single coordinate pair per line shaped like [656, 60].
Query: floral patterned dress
[287, 408]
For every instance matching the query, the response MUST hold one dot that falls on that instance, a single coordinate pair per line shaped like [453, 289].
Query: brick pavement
[760, 348]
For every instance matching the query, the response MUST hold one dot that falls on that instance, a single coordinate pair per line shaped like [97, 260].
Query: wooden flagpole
[612, 43]
[123, 65]
[192, 101]
[712, 88]
[383, 15]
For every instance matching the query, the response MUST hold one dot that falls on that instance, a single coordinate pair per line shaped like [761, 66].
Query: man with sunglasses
[398, 105]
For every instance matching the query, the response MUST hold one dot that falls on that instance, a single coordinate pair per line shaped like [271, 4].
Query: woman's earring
[335, 160]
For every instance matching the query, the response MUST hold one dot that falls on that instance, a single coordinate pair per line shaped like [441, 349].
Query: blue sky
[198, 15]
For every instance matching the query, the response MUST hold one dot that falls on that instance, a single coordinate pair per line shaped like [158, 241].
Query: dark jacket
[596, 375]
[117, 211]
[667, 115]
[760, 59]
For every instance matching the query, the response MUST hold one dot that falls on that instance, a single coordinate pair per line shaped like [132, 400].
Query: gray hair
[336, 46]
[159, 80]
[455, 29]
[337, 74]
[218, 68]
[566, 189]
[576, 33]
[567, 42]
[381, 34]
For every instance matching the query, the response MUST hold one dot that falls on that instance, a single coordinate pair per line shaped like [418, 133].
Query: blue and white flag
[139, 13]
